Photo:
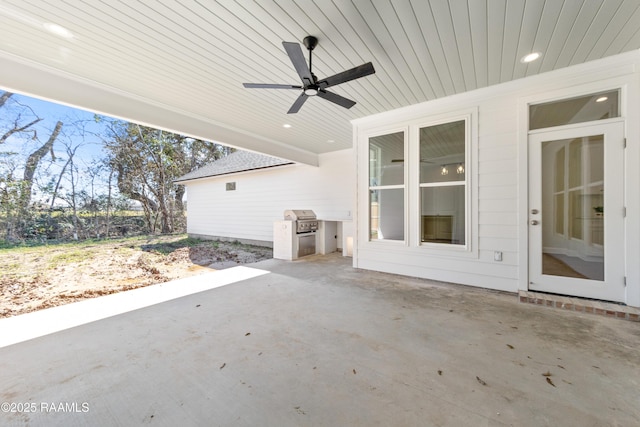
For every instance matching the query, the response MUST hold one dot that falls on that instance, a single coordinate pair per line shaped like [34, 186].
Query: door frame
[612, 288]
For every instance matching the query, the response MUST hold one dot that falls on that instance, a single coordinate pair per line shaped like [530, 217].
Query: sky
[79, 128]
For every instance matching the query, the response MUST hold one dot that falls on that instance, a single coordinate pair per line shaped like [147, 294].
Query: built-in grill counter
[301, 233]
[296, 235]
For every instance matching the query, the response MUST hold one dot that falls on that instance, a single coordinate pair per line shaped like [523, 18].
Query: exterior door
[576, 211]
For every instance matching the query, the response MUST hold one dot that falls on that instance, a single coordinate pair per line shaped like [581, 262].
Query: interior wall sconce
[460, 169]
[444, 171]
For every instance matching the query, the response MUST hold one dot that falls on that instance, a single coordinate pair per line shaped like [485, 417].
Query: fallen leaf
[560, 366]
[247, 334]
[223, 365]
[354, 371]
[198, 305]
[510, 346]
[546, 374]
[550, 382]
[439, 372]
[480, 381]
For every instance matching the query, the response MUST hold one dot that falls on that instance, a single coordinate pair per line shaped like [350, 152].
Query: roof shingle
[238, 161]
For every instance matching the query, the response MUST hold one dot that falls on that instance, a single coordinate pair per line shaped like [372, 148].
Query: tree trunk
[109, 202]
[5, 97]
[30, 169]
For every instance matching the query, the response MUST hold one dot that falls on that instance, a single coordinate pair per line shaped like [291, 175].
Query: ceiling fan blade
[297, 58]
[345, 76]
[297, 104]
[269, 86]
[336, 99]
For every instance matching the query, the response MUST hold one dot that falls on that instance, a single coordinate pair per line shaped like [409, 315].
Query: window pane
[573, 238]
[575, 163]
[559, 184]
[442, 152]
[386, 160]
[576, 213]
[443, 214]
[559, 213]
[595, 147]
[386, 214]
[597, 106]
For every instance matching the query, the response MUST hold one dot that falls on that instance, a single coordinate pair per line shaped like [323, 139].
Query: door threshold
[582, 305]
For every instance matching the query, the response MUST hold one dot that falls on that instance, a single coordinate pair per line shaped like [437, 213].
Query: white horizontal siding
[262, 196]
[497, 190]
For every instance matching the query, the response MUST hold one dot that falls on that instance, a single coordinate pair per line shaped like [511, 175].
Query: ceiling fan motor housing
[310, 42]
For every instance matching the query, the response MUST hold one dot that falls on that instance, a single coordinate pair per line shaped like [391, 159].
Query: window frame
[403, 186]
[410, 126]
[470, 120]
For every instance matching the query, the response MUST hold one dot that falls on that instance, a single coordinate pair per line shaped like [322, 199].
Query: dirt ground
[46, 276]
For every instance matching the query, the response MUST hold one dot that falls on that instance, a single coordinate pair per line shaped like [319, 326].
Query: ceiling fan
[311, 86]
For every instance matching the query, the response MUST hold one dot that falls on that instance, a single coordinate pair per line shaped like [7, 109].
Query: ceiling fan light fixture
[311, 91]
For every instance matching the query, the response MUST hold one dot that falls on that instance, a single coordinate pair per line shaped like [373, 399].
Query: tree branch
[10, 132]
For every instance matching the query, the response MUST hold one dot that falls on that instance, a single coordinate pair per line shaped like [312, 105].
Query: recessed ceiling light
[530, 57]
[286, 125]
[57, 30]
[602, 99]
[331, 141]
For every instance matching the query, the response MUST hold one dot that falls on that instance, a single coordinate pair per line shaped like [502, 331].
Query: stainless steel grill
[305, 220]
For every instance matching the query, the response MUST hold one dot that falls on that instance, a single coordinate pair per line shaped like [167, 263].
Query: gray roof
[238, 161]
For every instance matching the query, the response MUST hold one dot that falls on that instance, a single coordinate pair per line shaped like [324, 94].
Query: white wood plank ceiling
[192, 56]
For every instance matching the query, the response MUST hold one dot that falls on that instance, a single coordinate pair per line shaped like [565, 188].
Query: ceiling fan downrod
[311, 42]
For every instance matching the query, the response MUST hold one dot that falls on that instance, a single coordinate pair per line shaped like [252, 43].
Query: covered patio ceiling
[180, 65]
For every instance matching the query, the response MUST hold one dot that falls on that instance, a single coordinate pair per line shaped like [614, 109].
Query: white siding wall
[499, 176]
[261, 197]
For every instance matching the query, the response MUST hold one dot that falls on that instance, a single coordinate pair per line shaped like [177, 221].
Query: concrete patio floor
[317, 343]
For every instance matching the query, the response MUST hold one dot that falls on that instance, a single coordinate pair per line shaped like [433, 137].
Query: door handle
[534, 222]
[535, 211]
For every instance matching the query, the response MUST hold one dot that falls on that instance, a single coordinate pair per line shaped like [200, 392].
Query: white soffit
[180, 65]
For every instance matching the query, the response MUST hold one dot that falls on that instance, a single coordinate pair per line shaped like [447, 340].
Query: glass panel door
[573, 186]
[576, 220]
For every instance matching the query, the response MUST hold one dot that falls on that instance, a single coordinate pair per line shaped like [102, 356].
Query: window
[386, 187]
[443, 183]
[596, 106]
[419, 186]
[578, 189]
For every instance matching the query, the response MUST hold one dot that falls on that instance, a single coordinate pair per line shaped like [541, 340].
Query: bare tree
[32, 164]
[17, 126]
[4, 97]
